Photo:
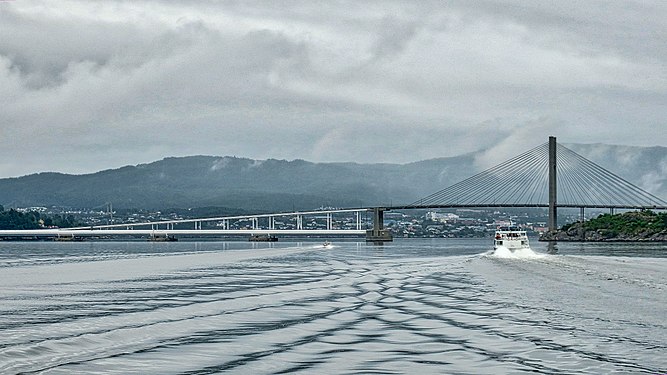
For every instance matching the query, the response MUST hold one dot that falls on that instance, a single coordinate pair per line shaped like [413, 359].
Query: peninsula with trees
[644, 225]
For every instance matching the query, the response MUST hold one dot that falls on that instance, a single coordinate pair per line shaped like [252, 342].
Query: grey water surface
[437, 306]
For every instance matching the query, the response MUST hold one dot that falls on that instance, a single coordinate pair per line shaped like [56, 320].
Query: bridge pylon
[378, 234]
[553, 197]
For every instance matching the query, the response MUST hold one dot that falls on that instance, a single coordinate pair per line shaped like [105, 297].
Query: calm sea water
[412, 306]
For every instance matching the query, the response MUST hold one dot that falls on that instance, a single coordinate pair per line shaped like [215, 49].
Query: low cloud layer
[88, 85]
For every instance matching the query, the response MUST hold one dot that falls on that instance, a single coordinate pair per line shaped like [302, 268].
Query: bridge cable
[523, 180]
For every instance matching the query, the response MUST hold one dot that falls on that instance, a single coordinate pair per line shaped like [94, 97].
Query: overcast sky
[91, 85]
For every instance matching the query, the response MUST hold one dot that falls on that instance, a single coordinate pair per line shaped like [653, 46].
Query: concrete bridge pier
[378, 234]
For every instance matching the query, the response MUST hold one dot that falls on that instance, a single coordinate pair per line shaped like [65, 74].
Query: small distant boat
[511, 237]
[162, 239]
[262, 238]
[68, 238]
[327, 244]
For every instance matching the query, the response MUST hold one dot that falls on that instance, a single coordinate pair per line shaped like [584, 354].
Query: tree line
[12, 219]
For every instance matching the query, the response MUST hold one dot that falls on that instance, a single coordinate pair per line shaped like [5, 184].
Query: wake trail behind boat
[524, 253]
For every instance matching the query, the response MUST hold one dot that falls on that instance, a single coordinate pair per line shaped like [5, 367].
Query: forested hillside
[279, 185]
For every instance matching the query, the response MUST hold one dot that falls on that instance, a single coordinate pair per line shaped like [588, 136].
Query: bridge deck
[174, 232]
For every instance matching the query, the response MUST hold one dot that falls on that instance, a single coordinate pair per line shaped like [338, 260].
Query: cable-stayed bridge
[525, 181]
[550, 176]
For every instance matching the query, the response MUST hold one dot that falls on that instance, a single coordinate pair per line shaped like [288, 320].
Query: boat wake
[523, 253]
[323, 246]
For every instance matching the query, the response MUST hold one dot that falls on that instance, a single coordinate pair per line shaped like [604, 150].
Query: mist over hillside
[281, 185]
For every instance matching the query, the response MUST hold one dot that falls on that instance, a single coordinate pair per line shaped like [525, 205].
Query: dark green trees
[13, 219]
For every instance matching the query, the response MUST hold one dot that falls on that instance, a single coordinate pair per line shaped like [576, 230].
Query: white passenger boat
[511, 238]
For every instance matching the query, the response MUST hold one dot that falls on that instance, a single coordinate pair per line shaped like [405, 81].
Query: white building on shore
[442, 217]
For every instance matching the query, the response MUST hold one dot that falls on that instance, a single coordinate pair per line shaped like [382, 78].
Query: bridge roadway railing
[165, 228]
[224, 220]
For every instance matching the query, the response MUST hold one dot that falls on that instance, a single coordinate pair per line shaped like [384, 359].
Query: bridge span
[158, 233]
[334, 222]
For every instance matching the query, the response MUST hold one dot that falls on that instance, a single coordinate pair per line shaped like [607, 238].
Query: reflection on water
[552, 247]
[413, 306]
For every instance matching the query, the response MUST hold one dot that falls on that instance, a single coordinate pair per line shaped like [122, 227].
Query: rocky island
[642, 225]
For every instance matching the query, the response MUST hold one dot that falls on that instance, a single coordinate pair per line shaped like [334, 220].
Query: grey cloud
[42, 50]
[634, 29]
[387, 81]
[393, 36]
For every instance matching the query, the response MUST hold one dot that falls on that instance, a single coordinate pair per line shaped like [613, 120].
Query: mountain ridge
[279, 184]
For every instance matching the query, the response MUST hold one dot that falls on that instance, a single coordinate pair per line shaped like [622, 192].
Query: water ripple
[354, 310]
